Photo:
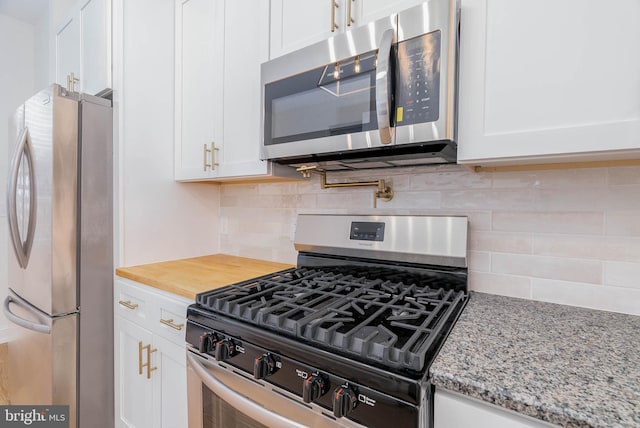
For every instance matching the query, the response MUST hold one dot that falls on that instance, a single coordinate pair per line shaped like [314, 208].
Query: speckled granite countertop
[569, 366]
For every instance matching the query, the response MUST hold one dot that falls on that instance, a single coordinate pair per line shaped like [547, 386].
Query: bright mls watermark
[34, 416]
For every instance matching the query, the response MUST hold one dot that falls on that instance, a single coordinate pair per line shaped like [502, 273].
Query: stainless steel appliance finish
[369, 113]
[59, 201]
[345, 339]
[416, 239]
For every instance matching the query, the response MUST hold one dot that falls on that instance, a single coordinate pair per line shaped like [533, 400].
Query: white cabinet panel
[199, 86]
[67, 46]
[217, 90]
[134, 392]
[366, 11]
[83, 47]
[150, 362]
[548, 80]
[295, 23]
[455, 411]
[95, 54]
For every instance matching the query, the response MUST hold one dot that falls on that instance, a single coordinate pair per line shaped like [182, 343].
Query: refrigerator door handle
[21, 248]
[30, 325]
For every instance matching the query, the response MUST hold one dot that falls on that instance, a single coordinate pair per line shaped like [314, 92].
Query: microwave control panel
[418, 80]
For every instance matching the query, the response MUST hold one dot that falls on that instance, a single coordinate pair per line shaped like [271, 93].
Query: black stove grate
[387, 317]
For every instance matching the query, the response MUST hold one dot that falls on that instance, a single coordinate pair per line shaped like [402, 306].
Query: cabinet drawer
[132, 303]
[170, 319]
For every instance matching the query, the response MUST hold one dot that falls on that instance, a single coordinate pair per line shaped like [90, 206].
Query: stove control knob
[207, 342]
[313, 387]
[264, 366]
[344, 400]
[224, 349]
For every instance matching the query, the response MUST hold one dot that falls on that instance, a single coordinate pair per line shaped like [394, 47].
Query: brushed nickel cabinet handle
[334, 6]
[204, 157]
[148, 363]
[127, 304]
[140, 365]
[170, 323]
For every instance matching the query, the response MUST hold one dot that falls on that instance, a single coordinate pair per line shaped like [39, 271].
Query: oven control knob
[207, 342]
[224, 349]
[344, 400]
[264, 366]
[313, 387]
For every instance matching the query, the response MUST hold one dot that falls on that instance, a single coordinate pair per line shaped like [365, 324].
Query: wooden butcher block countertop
[188, 277]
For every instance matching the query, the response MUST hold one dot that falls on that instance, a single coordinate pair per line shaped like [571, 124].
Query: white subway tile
[622, 223]
[552, 179]
[501, 242]
[616, 299]
[479, 261]
[547, 267]
[588, 247]
[412, 200]
[462, 179]
[505, 285]
[622, 274]
[624, 175]
[520, 199]
[570, 222]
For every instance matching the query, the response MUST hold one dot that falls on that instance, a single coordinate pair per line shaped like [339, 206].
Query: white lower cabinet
[150, 364]
[451, 410]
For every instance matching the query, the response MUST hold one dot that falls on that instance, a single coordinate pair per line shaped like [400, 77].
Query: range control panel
[338, 396]
[418, 80]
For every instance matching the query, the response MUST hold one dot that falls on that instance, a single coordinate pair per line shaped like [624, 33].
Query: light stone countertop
[569, 366]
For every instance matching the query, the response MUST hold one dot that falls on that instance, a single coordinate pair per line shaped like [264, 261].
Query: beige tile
[479, 261]
[622, 223]
[601, 297]
[505, 285]
[624, 175]
[569, 222]
[622, 274]
[589, 271]
[588, 247]
[501, 242]
[439, 180]
[553, 179]
[413, 200]
[495, 200]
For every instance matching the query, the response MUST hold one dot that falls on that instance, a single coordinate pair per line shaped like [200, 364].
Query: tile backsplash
[565, 236]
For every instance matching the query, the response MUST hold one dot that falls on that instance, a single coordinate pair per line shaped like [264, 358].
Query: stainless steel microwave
[382, 94]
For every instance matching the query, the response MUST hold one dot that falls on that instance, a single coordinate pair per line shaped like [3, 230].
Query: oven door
[220, 396]
[331, 96]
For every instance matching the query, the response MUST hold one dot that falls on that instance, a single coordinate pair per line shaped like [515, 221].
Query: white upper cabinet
[217, 90]
[199, 50]
[547, 81]
[83, 47]
[296, 24]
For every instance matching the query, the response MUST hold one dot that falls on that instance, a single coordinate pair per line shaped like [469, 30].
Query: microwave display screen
[418, 92]
[335, 99]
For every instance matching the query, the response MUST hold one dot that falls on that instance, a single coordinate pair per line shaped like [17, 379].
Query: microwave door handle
[21, 249]
[239, 402]
[383, 82]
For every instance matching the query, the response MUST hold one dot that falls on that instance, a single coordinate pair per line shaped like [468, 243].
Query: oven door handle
[239, 402]
[383, 83]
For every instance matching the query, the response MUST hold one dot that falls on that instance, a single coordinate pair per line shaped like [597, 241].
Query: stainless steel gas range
[344, 339]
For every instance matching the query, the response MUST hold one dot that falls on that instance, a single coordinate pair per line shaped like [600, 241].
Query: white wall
[160, 219]
[16, 85]
[564, 236]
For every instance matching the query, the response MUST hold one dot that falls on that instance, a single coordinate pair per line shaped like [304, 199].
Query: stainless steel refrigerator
[60, 272]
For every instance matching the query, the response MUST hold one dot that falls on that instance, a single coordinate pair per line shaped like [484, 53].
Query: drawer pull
[128, 304]
[171, 324]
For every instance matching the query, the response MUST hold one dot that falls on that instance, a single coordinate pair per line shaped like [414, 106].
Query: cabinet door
[546, 80]
[365, 11]
[134, 392]
[199, 48]
[67, 49]
[244, 52]
[454, 411]
[170, 379]
[295, 23]
[95, 50]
